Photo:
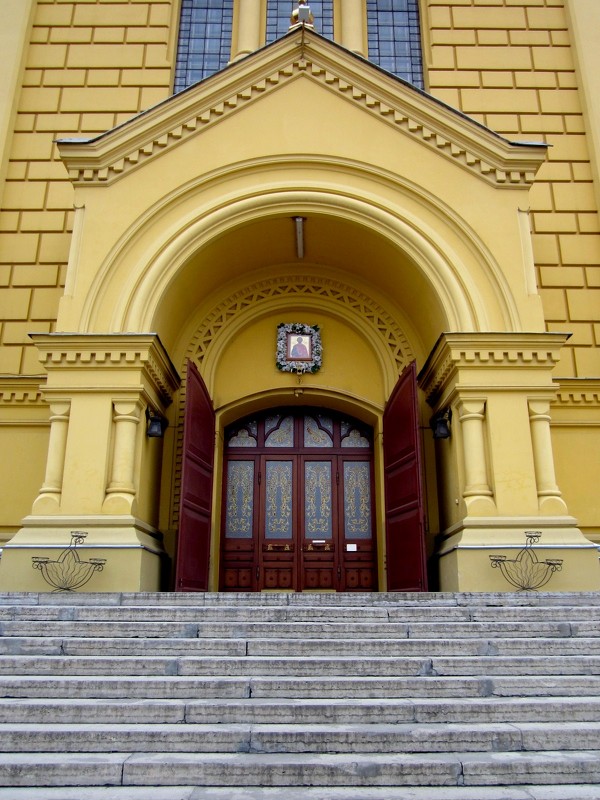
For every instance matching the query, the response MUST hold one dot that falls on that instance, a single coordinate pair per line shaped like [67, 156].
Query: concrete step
[300, 631]
[282, 600]
[306, 711]
[296, 648]
[439, 600]
[361, 697]
[317, 738]
[433, 647]
[299, 770]
[530, 792]
[251, 612]
[178, 687]
[349, 666]
[488, 666]
[90, 646]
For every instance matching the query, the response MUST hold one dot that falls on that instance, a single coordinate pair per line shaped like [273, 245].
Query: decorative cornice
[22, 390]
[119, 351]
[484, 351]
[434, 124]
[578, 392]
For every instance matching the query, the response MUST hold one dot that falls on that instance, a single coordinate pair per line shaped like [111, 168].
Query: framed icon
[299, 347]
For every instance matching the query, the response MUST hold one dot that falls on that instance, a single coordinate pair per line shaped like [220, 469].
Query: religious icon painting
[299, 347]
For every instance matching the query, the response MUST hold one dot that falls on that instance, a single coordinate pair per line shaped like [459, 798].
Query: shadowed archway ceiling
[341, 249]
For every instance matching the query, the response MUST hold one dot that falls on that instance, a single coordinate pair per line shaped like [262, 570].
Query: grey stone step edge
[181, 687]
[271, 738]
[543, 792]
[362, 599]
[405, 666]
[155, 769]
[304, 631]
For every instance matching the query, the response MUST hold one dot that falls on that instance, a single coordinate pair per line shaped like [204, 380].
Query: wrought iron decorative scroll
[68, 573]
[526, 572]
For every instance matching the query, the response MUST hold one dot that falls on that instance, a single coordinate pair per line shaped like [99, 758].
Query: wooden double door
[298, 504]
[298, 499]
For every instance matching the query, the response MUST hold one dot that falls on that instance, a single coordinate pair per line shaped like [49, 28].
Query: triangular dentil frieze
[302, 55]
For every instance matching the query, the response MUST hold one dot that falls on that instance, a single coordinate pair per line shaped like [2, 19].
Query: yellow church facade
[302, 324]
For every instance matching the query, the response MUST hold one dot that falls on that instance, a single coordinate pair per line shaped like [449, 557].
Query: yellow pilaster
[498, 466]
[17, 16]
[248, 30]
[584, 22]
[354, 26]
[101, 471]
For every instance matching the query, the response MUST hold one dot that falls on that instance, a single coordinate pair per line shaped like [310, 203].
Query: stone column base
[465, 564]
[118, 554]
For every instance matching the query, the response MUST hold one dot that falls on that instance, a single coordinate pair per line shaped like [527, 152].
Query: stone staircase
[300, 696]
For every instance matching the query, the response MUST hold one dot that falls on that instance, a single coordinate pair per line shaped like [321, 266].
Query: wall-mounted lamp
[440, 423]
[156, 425]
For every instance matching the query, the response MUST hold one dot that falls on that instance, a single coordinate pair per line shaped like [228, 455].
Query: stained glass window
[246, 436]
[204, 40]
[278, 505]
[351, 436]
[394, 38]
[357, 500]
[317, 500]
[318, 431]
[239, 510]
[279, 431]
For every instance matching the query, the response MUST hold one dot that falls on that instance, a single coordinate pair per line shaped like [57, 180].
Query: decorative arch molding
[446, 272]
[273, 186]
[384, 328]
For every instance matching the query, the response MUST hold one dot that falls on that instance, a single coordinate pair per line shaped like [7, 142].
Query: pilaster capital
[471, 409]
[490, 361]
[114, 361]
[127, 408]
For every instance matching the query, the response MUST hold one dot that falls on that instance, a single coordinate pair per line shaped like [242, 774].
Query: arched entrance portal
[299, 497]
[298, 503]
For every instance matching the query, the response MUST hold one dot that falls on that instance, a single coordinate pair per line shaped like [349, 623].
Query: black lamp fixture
[156, 424]
[440, 423]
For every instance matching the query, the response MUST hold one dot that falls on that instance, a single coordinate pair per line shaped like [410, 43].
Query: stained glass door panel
[319, 523]
[240, 501]
[278, 524]
[298, 504]
[359, 570]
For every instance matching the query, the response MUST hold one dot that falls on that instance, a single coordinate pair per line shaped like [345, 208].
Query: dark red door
[298, 503]
[193, 543]
[405, 526]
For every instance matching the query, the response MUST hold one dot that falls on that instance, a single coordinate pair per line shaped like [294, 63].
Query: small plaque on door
[351, 548]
